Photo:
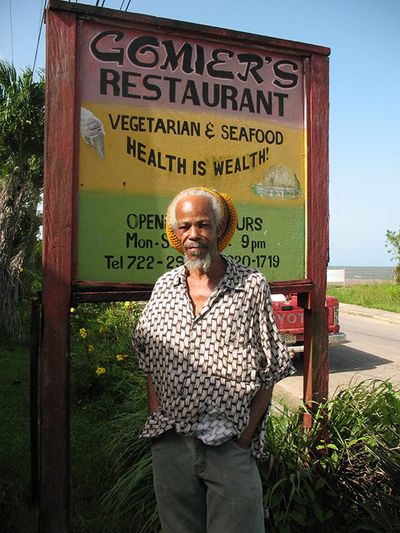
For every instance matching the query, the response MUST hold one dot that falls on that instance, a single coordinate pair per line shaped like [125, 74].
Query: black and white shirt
[216, 361]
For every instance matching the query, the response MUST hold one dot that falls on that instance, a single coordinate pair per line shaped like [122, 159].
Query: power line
[40, 33]
[99, 3]
[42, 23]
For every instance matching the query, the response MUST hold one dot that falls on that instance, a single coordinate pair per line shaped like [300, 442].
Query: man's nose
[193, 233]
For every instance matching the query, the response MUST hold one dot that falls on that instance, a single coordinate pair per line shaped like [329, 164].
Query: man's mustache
[196, 245]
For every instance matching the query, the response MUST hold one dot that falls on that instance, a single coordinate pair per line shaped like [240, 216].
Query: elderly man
[212, 351]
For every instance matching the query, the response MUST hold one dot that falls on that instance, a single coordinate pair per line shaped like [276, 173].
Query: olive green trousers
[206, 489]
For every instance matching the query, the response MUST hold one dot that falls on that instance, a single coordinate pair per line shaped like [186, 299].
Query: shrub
[101, 352]
[350, 482]
[103, 375]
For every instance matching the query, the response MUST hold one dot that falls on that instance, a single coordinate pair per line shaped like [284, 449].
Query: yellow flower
[72, 309]
[100, 370]
[102, 329]
[90, 348]
[120, 357]
[127, 304]
[83, 333]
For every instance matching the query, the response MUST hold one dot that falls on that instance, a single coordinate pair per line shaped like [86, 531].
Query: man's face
[196, 228]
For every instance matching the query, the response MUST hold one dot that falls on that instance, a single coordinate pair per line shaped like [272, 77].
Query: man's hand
[244, 442]
[258, 406]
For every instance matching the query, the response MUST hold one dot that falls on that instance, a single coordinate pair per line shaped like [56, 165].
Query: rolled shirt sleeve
[275, 363]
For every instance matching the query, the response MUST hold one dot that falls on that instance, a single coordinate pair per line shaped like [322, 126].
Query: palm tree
[21, 182]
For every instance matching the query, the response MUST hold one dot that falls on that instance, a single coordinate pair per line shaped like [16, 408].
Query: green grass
[384, 296]
[16, 511]
[95, 401]
[111, 478]
[91, 469]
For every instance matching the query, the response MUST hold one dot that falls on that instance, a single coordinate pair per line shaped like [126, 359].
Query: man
[212, 351]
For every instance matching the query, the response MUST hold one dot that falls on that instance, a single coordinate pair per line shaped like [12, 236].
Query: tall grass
[104, 376]
[384, 296]
[347, 483]
[17, 513]
[131, 501]
[350, 482]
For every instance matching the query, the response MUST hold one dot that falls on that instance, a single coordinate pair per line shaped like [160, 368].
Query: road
[372, 351]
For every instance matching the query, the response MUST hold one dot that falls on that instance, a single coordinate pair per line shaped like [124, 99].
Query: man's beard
[202, 265]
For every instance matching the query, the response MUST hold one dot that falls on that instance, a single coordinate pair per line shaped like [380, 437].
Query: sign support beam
[316, 366]
[57, 246]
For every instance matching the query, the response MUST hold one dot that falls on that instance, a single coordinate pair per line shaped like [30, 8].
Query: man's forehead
[194, 205]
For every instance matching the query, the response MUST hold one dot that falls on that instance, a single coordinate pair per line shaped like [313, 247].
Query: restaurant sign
[163, 111]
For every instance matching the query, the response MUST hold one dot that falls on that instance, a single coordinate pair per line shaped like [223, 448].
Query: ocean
[355, 274]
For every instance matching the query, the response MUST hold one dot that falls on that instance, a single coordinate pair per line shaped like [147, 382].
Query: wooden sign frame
[59, 227]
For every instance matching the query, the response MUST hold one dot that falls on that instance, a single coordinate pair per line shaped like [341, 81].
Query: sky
[364, 169]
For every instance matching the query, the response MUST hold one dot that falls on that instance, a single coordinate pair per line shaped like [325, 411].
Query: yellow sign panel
[163, 113]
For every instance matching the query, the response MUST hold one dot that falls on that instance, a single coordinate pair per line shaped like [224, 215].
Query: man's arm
[152, 398]
[258, 406]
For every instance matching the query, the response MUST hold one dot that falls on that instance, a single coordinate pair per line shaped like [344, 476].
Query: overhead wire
[42, 6]
[99, 3]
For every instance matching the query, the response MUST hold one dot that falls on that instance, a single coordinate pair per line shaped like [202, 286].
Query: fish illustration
[92, 131]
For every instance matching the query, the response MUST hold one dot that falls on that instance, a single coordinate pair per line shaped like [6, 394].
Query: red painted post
[57, 223]
[316, 366]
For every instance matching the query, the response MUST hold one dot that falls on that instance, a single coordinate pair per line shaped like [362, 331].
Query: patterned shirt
[216, 361]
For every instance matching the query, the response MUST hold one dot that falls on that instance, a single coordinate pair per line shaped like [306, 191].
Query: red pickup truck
[290, 320]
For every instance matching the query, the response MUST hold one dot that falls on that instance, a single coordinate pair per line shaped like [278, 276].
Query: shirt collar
[234, 276]
[180, 278]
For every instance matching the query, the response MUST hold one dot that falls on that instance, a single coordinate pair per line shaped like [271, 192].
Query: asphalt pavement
[372, 351]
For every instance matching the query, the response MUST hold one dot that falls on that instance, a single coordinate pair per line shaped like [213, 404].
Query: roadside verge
[367, 312]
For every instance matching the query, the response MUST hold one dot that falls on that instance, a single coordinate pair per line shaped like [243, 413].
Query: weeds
[101, 356]
[354, 484]
[347, 483]
[131, 500]
[385, 296]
